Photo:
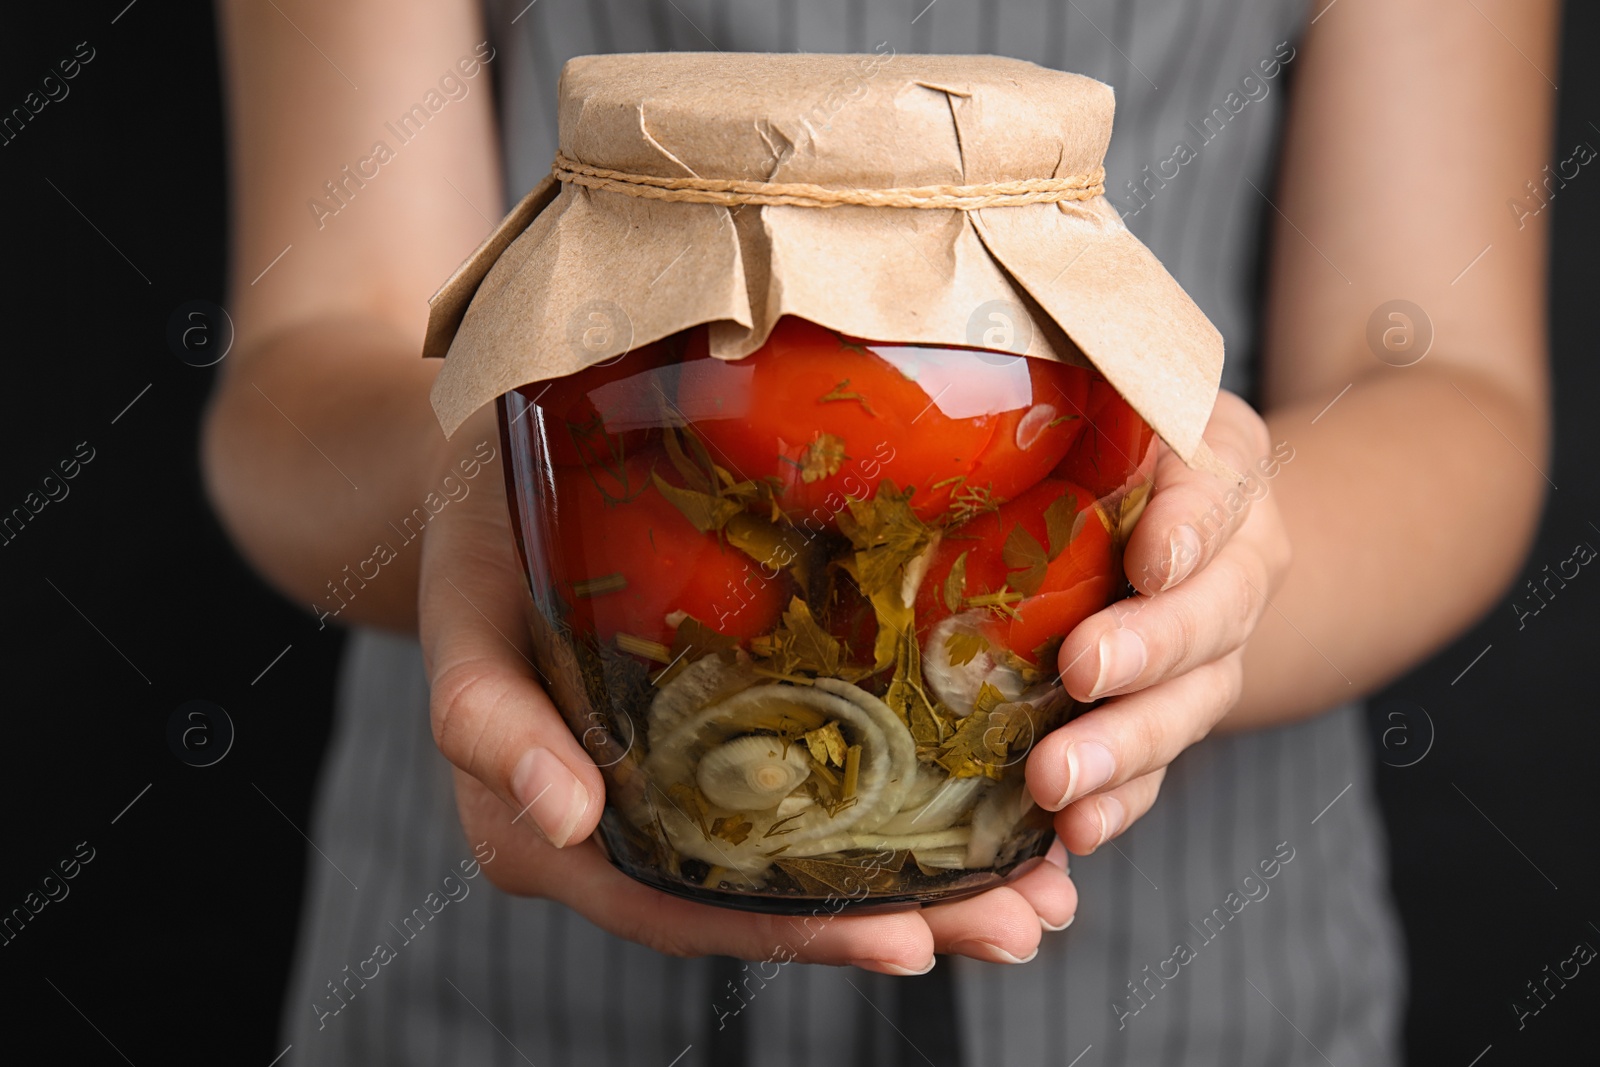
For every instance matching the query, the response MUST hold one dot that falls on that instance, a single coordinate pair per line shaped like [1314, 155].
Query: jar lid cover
[944, 200]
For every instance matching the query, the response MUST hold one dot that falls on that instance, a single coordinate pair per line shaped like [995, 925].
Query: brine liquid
[803, 608]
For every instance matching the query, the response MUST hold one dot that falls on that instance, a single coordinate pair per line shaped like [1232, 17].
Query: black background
[123, 601]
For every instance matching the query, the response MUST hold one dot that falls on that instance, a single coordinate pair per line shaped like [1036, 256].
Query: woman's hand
[525, 785]
[1204, 558]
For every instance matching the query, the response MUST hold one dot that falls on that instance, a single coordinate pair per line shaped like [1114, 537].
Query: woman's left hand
[1205, 558]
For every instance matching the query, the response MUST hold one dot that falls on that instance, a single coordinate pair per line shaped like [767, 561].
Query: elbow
[226, 475]
[220, 473]
[1514, 472]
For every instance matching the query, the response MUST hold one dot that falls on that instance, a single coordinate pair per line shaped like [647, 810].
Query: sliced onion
[887, 770]
[993, 821]
[941, 809]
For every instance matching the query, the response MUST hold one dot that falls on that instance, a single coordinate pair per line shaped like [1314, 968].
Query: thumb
[491, 718]
[1194, 512]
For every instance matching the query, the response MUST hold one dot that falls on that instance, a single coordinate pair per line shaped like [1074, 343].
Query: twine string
[730, 192]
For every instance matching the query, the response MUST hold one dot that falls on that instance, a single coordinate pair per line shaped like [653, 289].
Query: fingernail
[885, 967]
[982, 950]
[1184, 545]
[550, 795]
[1057, 929]
[1111, 815]
[1090, 765]
[1122, 657]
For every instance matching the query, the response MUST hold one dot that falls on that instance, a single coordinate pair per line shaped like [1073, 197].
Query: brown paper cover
[574, 276]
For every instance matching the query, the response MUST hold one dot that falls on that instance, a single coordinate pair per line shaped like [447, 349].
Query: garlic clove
[958, 686]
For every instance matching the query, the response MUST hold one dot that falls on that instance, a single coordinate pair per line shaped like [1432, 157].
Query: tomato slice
[1115, 447]
[826, 418]
[626, 558]
[604, 412]
[1075, 584]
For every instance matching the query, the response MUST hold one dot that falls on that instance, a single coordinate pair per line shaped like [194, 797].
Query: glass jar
[803, 608]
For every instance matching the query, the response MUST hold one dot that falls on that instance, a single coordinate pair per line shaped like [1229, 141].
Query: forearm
[320, 442]
[1410, 503]
[318, 446]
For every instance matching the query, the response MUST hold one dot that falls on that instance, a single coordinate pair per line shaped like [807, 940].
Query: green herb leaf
[927, 726]
[822, 459]
[972, 500]
[963, 647]
[1047, 651]
[827, 744]
[1060, 522]
[691, 473]
[1000, 602]
[955, 584]
[838, 393]
[697, 449]
[820, 877]
[732, 828]
[801, 644]
[984, 738]
[706, 511]
[1128, 514]
[687, 799]
[781, 827]
[905, 695]
[987, 700]
[773, 546]
[886, 534]
[1026, 560]
[693, 640]
[815, 647]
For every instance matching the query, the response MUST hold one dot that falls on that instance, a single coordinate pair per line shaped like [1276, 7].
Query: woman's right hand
[525, 785]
